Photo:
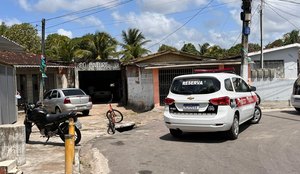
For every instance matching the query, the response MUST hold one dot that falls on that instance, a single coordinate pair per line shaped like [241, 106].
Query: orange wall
[155, 87]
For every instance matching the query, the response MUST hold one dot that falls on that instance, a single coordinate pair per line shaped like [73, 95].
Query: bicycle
[113, 116]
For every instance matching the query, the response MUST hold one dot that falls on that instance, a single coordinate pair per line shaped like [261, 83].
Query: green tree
[105, 45]
[96, 46]
[55, 45]
[291, 37]
[3, 28]
[25, 35]
[276, 43]
[190, 48]
[215, 52]
[236, 50]
[204, 48]
[133, 42]
[164, 47]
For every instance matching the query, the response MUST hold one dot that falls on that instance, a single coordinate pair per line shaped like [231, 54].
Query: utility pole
[246, 18]
[261, 36]
[43, 63]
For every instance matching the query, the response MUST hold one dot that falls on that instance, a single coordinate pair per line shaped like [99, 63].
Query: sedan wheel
[57, 110]
[257, 115]
[233, 132]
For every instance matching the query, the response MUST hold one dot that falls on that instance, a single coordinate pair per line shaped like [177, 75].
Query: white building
[281, 68]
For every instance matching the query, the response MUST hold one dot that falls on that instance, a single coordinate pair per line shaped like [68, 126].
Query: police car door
[244, 99]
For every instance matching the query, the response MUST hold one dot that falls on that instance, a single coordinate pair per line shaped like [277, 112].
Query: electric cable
[200, 10]
[106, 8]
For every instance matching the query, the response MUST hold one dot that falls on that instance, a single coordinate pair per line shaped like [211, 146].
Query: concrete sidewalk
[49, 158]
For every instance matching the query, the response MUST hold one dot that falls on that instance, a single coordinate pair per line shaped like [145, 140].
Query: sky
[170, 22]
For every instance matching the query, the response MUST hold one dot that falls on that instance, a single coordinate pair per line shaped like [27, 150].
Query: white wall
[278, 88]
[140, 88]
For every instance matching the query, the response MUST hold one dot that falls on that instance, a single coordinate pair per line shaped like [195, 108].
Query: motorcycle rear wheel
[66, 131]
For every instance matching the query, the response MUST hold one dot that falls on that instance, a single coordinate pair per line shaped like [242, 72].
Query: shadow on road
[46, 143]
[202, 137]
[292, 115]
[296, 113]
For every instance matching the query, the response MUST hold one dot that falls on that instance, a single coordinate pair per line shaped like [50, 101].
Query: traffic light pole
[246, 18]
[42, 56]
[244, 53]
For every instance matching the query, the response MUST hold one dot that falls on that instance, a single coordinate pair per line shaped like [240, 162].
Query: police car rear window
[199, 85]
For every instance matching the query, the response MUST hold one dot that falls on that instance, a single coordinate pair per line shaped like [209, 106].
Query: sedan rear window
[198, 85]
[69, 92]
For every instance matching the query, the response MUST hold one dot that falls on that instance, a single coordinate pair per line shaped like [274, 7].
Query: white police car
[210, 102]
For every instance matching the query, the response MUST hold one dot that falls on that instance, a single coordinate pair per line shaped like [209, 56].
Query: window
[228, 85]
[54, 94]
[196, 85]
[47, 95]
[69, 92]
[240, 85]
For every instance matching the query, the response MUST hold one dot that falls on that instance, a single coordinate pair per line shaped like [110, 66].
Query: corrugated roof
[155, 55]
[22, 59]
[9, 45]
[295, 45]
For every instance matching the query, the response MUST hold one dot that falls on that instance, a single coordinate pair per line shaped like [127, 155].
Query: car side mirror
[252, 88]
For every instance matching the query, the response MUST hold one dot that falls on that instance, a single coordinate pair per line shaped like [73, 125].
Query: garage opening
[101, 85]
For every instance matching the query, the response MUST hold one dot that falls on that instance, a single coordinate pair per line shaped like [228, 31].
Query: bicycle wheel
[117, 114]
[111, 126]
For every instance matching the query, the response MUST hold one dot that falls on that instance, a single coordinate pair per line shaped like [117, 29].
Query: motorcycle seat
[55, 117]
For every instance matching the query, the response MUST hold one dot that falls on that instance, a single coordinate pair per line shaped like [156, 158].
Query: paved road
[269, 147]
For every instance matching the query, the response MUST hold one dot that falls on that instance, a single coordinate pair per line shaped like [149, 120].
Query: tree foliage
[164, 47]
[96, 46]
[3, 28]
[25, 35]
[55, 47]
[133, 42]
[190, 48]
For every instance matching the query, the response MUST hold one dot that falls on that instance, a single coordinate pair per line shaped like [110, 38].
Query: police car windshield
[198, 85]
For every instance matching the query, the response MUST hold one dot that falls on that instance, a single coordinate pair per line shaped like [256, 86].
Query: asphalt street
[271, 147]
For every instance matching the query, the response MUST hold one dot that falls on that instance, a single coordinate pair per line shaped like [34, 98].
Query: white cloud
[55, 5]
[25, 5]
[10, 21]
[169, 6]
[156, 27]
[65, 33]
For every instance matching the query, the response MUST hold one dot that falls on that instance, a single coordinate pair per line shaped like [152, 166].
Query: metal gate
[8, 109]
[165, 79]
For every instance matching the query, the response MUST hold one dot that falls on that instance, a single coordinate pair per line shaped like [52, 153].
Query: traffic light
[246, 6]
[43, 66]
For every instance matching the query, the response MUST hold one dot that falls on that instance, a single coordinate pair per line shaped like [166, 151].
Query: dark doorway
[101, 85]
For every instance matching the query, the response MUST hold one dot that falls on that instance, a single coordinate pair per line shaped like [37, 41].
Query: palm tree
[133, 42]
[98, 46]
[292, 37]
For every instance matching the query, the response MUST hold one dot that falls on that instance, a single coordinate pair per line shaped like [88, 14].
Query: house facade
[27, 73]
[8, 109]
[101, 79]
[149, 78]
[281, 69]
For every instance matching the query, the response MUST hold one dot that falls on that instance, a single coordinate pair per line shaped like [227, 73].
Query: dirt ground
[42, 157]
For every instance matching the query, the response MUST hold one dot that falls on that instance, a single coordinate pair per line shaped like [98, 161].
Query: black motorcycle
[49, 124]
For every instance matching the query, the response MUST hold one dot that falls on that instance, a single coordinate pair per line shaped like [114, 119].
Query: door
[244, 99]
[47, 100]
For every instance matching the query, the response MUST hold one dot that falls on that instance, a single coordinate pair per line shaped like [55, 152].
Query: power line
[239, 36]
[270, 6]
[212, 7]
[289, 1]
[106, 8]
[283, 11]
[81, 11]
[183, 24]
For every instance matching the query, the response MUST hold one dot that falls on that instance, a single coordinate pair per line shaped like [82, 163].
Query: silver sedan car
[67, 99]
